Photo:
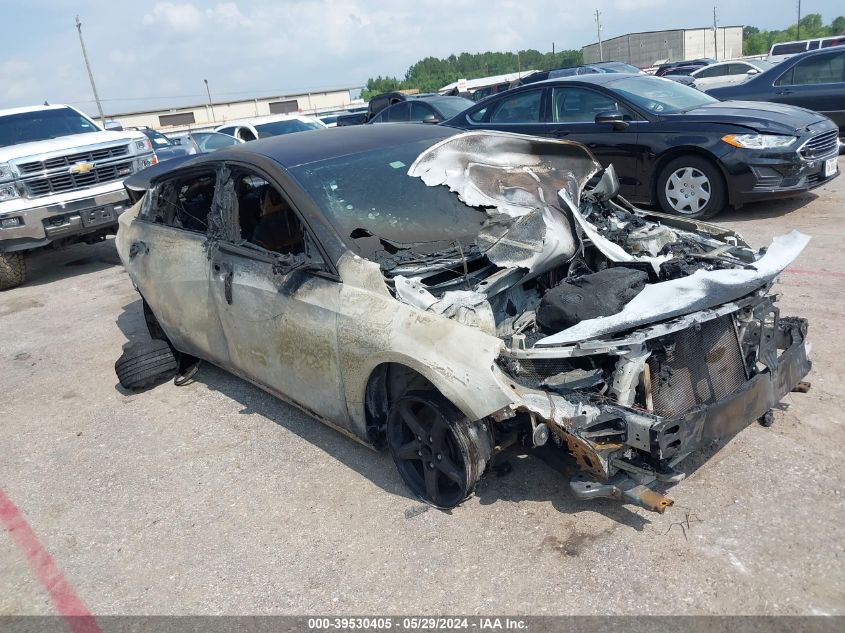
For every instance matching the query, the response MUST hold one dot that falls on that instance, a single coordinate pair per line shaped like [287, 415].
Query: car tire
[691, 187]
[439, 452]
[12, 270]
[145, 363]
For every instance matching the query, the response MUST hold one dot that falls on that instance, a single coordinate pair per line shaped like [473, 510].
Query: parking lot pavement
[217, 498]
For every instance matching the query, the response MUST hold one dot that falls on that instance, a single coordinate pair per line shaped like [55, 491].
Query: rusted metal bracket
[622, 488]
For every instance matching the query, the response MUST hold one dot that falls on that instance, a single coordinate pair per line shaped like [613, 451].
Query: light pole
[90, 74]
[598, 31]
[210, 105]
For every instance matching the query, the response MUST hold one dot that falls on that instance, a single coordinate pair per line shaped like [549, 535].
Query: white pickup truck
[61, 181]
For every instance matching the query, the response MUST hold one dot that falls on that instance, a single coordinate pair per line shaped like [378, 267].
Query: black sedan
[814, 80]
[671, 144]
[424, 109]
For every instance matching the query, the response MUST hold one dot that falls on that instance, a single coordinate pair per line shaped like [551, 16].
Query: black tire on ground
[440, 454]
[692, 187]
[145, 363]
[12, 270]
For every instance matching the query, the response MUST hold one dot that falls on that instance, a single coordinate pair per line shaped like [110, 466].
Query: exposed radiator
[705, 366]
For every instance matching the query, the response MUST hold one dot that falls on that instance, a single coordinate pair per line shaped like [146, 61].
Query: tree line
[431, 74]
[757, 42]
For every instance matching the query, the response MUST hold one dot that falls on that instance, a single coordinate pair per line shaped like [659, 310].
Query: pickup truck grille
[71, 159]
[60, 183]
[821, 145]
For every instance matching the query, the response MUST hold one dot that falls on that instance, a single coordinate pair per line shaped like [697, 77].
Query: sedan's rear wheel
[691, 186]
[440, 454]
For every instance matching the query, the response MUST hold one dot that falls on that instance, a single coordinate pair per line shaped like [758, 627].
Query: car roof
[35, 108]
[291, 150]
[598, 79]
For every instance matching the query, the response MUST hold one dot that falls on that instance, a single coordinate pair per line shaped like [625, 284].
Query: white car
[728, 73]
[273, 125]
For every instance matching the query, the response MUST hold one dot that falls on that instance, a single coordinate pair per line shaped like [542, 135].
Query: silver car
[446, 295]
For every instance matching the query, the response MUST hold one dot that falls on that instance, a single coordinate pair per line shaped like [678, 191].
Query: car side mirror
[431, 119]
[752, 71]
[614, 118]
[176, 141]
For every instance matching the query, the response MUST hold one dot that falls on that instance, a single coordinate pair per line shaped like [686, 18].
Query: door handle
[138, 248]
[561, 133]
[226, 274]
[783, 92]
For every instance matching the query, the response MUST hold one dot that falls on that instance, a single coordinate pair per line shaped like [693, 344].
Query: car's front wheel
[12, 270]
[440, 453]
[691, 186]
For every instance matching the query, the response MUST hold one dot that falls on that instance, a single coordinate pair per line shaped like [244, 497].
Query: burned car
[447, 294]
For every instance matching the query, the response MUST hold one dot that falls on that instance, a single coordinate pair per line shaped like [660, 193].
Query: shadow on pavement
[47, 265]
[766, 210]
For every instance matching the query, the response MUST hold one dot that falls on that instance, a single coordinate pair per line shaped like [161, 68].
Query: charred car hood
[772, 118]
[554, 216]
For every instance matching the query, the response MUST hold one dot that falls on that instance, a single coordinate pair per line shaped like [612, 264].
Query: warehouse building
[206, 116]
[646, 49]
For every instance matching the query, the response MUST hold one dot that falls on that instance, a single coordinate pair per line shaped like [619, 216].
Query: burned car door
[277, 304]
[168, 260]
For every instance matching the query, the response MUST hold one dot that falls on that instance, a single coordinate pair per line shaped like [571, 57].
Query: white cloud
[179, 17]
[227, 13]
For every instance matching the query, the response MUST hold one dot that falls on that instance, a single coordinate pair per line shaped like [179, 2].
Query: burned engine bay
[632, 338]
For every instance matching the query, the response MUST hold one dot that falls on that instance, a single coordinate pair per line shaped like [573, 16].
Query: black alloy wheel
[440, 454]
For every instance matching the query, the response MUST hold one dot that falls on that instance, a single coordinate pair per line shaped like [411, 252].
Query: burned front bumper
[734, 375]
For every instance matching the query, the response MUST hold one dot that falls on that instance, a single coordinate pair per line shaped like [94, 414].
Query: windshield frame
[697, 98]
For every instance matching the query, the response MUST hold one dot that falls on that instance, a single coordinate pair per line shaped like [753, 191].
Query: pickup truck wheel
[12, 270]
[691, 186]
[440, 453]
[144, 363]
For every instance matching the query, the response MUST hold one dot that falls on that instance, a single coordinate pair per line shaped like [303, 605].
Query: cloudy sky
[152, 54]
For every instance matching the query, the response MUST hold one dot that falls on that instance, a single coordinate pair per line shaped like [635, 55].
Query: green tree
[757, 42]
[430, 74]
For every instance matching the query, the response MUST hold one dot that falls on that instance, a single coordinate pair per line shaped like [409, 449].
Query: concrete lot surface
[217, 498]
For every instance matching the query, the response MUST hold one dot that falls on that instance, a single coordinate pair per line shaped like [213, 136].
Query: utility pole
[715, 39]
[598, 31]
[799, 21]
[210, 105]
[90, 74]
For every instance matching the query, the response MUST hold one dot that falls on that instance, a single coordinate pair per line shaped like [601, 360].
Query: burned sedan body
[446, 294]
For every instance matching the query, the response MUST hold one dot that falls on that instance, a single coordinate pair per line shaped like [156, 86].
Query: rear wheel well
[386, 384]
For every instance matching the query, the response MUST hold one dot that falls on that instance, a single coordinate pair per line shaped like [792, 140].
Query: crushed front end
[631, 408]
[629, 338]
